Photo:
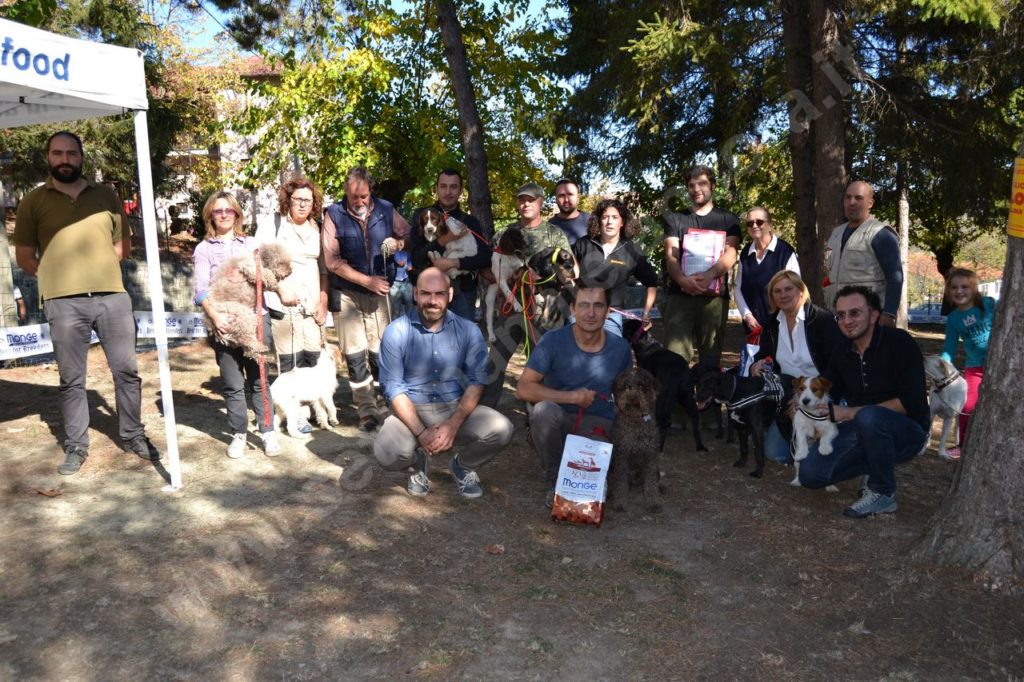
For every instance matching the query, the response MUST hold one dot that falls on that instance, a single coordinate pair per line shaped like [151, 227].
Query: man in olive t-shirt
[71, 235]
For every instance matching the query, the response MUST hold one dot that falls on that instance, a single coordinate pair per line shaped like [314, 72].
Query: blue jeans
[400, 296]
[613, 324]
[872, 443]
[464, 302]
[775, 446]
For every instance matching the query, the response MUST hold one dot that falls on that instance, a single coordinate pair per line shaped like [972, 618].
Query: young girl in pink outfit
[970, 320]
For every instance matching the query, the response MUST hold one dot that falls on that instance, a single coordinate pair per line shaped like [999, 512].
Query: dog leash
[772, 391]
[599, 430]
[445, 215]
[261, 361]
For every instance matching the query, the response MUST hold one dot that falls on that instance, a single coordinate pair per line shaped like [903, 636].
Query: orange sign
[1015, 226]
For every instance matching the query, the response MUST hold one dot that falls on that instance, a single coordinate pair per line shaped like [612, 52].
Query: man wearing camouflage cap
[510, 330]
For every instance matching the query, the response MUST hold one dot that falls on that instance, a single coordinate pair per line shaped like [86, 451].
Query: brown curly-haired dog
[233, 295]
[635, 439]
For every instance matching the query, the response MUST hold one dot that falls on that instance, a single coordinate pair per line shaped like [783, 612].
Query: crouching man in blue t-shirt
[569, 377]
[433, 369]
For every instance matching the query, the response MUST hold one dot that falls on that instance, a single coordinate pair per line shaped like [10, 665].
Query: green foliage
[181, 105]
[375, 92]
[30, 12]
[657, 87]
[946, 106]
[986, 13]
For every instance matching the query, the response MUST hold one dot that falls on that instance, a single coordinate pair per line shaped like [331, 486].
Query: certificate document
[700, 250]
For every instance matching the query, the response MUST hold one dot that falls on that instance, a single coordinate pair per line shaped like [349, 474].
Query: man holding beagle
[881, 406]
[448, 191]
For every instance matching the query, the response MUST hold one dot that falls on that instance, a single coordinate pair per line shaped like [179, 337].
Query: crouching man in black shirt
[879, 373]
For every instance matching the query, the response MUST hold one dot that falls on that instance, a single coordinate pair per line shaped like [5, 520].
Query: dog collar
[946, 381]
[815, 417]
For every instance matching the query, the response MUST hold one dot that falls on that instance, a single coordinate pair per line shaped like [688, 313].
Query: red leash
[261, 361]
[579, 418]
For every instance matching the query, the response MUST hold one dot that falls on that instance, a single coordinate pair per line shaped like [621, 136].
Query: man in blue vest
[353, 236]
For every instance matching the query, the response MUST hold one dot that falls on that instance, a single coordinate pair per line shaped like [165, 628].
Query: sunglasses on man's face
[756, 221]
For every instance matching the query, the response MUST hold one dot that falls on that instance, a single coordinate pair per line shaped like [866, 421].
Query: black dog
[635, 451]
[753, 404]
[673, 374]
[555, 285]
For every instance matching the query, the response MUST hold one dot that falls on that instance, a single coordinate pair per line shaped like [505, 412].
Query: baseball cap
[531, 189]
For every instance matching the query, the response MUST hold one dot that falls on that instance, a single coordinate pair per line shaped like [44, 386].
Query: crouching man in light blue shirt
[433, 369]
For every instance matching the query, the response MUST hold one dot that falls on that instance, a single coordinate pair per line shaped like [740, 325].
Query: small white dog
[434, 226]
[947, 396]
[313, 386]
[810, 394]
[506, 261]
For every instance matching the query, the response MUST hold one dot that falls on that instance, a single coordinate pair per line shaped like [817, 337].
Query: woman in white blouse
[298, 329]
[798, 338]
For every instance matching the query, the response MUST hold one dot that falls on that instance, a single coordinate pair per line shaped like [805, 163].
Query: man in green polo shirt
[71, 235]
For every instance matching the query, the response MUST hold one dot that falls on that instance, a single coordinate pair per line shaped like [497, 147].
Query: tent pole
[156, 294]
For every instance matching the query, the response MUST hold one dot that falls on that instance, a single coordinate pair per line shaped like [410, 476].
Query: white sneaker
[271, 448]
[238, 445]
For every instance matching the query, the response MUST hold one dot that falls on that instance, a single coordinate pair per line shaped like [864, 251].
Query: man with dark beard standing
[72, 234]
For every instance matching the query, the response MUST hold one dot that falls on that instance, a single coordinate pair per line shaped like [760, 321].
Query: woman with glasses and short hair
[298, 329]
[225, 239]
[798, 337]
[758, 262]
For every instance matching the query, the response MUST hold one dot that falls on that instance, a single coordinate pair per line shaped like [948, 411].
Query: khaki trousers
[360, 325]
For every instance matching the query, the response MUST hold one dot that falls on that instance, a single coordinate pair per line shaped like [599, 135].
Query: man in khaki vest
[864, 251]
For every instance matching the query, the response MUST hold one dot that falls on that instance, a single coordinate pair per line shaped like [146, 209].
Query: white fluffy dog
[313, 386]
[947, 395]
[810, 394]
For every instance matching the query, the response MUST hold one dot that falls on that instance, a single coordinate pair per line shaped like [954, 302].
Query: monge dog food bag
[580, 489]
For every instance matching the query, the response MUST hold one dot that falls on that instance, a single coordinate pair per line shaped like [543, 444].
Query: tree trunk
[830, 124]
[903, 225]
[944, 259]
[469, 117]
[980, 525]
[796, 39]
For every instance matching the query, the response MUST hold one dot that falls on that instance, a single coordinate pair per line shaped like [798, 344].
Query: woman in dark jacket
[799, 337]
[607, 258]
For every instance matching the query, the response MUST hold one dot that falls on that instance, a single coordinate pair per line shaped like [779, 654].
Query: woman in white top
[297, 329]
[798, 338]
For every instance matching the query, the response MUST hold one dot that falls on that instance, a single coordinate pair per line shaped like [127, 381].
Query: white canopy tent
[47, 78]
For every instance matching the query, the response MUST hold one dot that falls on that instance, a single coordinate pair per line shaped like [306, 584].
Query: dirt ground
[317, 565]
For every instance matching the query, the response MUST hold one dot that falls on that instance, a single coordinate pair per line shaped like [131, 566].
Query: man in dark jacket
[447, 191]
[883, 417]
